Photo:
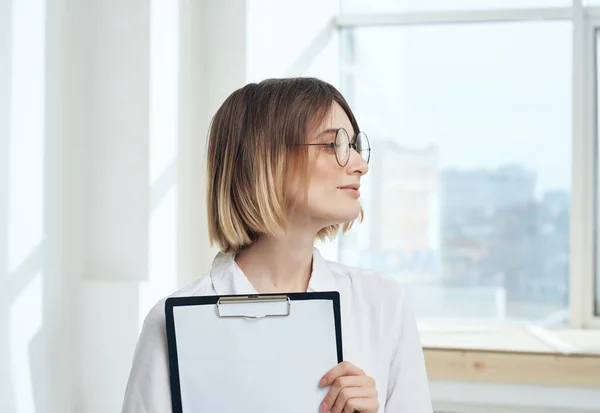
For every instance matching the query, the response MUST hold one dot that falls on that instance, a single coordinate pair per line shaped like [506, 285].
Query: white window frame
[584, 182]
[585, 19]
[590, 42]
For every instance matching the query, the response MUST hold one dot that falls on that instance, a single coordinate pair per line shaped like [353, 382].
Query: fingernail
[323, 407]
[323, 381]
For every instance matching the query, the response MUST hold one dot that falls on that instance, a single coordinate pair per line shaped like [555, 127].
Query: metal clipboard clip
[254, 299]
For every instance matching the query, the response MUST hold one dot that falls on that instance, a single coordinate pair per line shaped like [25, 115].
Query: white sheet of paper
[264, 365]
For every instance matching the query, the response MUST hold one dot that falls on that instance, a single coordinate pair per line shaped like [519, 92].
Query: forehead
[334, 120]
[337, 118]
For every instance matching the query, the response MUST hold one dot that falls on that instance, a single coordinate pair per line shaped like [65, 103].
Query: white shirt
[379, 335]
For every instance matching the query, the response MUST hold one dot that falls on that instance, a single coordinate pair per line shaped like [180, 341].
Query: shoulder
[376, 298]
[370, 285]
[156, 316]
[148, 385]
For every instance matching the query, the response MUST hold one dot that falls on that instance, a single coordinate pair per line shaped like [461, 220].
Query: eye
[330, 147]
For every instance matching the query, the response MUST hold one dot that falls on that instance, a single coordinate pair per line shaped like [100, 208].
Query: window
[468, 197]
[395, 6]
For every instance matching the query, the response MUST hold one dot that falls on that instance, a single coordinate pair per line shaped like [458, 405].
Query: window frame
[591, 45]
[584, 248]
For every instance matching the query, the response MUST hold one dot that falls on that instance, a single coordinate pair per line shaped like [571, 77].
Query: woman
[285, 159]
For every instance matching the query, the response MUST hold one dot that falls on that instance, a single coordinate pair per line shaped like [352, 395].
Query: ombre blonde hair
[254, 154]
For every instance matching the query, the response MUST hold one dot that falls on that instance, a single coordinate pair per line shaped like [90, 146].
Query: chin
[334, 212]
[342, 218]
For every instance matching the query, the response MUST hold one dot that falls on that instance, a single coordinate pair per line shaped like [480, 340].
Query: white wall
[292, 38]
[514, 398]
[102, 212]
[31, 287]
[163, 171]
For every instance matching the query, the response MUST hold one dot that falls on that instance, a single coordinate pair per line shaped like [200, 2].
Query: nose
[356, 164]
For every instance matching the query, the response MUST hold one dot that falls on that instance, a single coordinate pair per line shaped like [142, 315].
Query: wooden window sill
[524, 355]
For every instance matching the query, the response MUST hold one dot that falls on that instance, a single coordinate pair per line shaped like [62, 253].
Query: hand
[351, 391]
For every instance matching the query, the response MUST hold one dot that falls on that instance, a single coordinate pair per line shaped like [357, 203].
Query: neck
[274, 265]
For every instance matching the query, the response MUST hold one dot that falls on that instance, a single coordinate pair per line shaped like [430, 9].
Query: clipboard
[257, 353]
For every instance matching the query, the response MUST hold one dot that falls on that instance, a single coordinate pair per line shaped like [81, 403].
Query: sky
[485, 94]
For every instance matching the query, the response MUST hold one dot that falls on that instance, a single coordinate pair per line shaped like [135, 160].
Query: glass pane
[467, 198]
[397, 6]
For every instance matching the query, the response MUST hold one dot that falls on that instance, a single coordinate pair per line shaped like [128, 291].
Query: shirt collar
[227, 278]
[322, 278]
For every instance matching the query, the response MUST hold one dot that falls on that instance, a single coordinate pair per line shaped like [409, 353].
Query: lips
[351, 189]
[356, 187]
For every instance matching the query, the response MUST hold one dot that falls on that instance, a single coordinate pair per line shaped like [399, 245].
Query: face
[333, 190]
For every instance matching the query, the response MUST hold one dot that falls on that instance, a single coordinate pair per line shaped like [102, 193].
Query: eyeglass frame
[351, 145]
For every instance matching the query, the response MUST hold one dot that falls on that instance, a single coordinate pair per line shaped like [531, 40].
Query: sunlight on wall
[26, 133]
[25, 198]
[25, 322]
[164, 99]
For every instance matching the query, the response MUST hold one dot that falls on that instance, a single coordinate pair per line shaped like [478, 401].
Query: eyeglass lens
[342, 146]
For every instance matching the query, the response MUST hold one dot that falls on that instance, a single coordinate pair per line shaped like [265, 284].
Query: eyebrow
[331, 130]
[326, 131]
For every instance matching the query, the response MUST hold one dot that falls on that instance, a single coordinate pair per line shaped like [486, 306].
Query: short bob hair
[253, 155]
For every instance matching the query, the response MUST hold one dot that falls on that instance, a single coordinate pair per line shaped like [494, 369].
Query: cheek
[323, 176]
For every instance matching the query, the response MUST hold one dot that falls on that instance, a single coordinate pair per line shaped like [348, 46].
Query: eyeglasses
[342, 146]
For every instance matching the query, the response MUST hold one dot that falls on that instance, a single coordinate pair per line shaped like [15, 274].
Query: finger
[343, 369]
[347, 395]
[339, 384]
[362, 404]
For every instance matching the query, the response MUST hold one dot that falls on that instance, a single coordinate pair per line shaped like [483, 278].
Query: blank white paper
[264, 365]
